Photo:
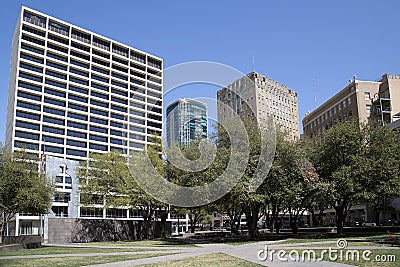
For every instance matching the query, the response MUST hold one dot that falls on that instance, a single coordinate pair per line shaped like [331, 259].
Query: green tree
[382, 164]
[22, 187]
[339, 160]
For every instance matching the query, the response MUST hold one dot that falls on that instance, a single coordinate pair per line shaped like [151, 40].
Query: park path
[246, 252]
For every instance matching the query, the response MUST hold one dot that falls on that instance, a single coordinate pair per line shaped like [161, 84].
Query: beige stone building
[261, 97]
[378, 102]
[386, 103]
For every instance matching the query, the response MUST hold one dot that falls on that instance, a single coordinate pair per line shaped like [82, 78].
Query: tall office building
[367, 101]
[261, 97]
[73, 92]
[186, 121]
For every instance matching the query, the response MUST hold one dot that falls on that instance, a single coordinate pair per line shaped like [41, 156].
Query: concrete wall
[70, 230]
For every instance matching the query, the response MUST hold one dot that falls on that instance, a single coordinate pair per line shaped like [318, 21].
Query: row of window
[95, 60]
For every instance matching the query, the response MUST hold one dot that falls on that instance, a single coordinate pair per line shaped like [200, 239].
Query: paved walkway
[248, 252]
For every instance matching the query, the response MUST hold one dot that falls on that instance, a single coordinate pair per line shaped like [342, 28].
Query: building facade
[378, 102]
[73, 92]
[386, 103]
[353, 101]
[260, 98]
[186, 121]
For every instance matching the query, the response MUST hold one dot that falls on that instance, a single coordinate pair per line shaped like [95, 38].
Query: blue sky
[293, 42]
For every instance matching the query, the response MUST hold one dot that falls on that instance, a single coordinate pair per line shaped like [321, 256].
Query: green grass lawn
[71, 261]
[66, 250]
[333, 239]
[215, 260]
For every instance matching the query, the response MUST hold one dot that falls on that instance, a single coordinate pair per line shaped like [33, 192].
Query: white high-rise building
[73, 92]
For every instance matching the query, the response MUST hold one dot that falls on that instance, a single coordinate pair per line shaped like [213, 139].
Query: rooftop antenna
[252, 52]
[315, 94]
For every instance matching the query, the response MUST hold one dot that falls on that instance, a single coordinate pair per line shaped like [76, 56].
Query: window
[32, 49]
[100, 87]
[54, 111]
[58, 57]
[76, 134]
[55, 65]
[117, 108]
[58, 39]
[98, 53]
[77, 98]
[80, 64]
[77, 107]
[99, 95]
[116, 75]
[119, 100]
[98, 129]
[79, 55]
[97, 147]
[32, 58]
[54, 102]
[49, 129]
[58, 48]
[106, 72]
[118, 92]
[98, 103]
[74, 152]
[28, 105]
[26, 145]
[30, 67]
[101, 43]
[367, 96]
[117, 141]
[101, 62]
[53, 149]
[76, 143]
[368, 108]
[32, 40]
[52, 139]
[117, 124]
[76, 125]
[78, 72]
[27, 125]
[98, 112]
[98, 138]
[81, 47]
[118, 117]
[77, 116]
[80, 36]
[97, 120]
[122, 69]
[78, 90]
[54, 92]
[30, 77]
[98, 78]
[57, 84]
[119, 84]
[26, 115]
[80, 81]
[26, 135]
[53, 120]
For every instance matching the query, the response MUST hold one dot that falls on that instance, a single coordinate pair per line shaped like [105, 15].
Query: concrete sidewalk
[246, 252]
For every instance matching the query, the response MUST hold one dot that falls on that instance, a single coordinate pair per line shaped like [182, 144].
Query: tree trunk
[340, 217]
[377, 215]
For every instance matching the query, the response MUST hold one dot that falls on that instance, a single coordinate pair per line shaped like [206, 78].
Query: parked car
[352, 223]
[390, 222]
[368, 223]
